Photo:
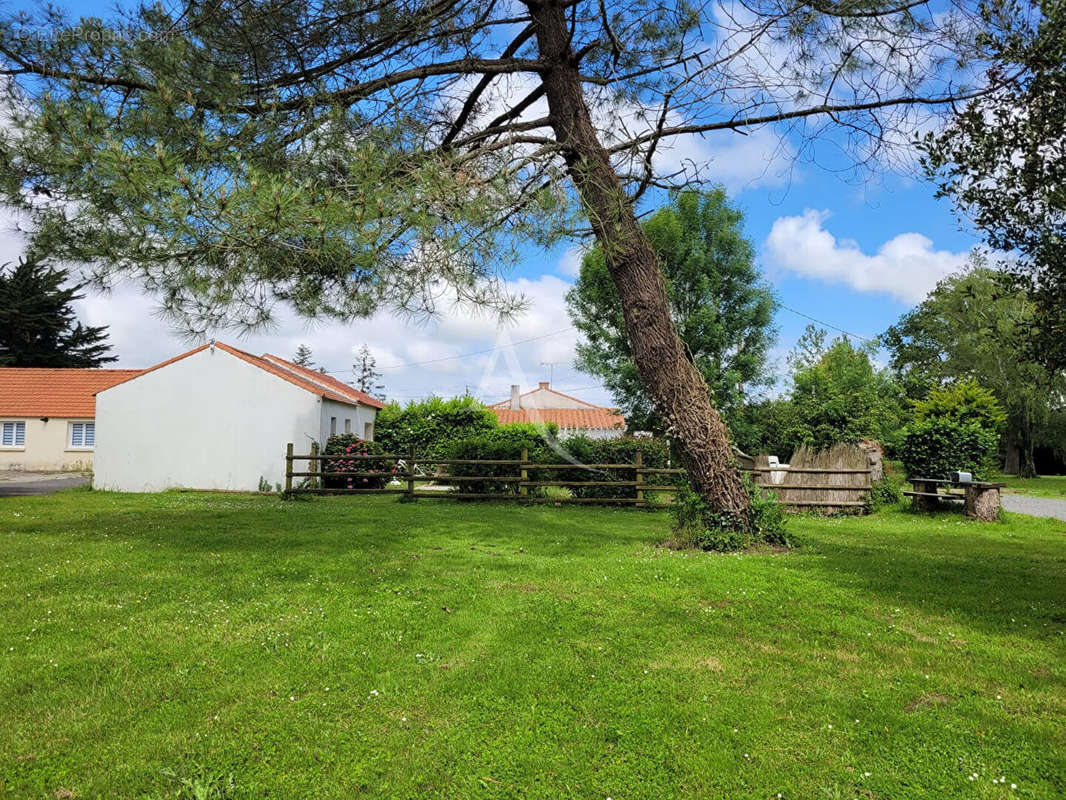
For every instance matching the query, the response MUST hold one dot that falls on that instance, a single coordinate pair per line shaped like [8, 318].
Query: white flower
[1014, 786]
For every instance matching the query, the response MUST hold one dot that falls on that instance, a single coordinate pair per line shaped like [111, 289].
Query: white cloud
[141, 338]
[905, 267]
[570, 263]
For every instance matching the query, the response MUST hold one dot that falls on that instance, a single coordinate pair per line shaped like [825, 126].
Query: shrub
[503, 443]
[431, 426]
[964, 402]
[932, 448]
[350, 444]
[696, 525]
[654, 452]
[889, 490]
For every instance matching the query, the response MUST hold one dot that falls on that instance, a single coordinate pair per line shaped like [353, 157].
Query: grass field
[193, 645]
[1043, 486]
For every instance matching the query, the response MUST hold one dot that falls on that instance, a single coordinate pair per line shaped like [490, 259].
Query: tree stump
[982, 503]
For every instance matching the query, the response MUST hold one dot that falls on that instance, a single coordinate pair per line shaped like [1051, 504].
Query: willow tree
[349, 155]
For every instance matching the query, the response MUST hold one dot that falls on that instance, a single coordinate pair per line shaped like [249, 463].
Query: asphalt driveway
[1035, 506]
[21, 484]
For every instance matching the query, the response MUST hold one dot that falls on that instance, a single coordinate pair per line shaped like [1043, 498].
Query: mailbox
[962, 477]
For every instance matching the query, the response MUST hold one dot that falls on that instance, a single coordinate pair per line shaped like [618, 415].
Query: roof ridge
[502, 403]
[324, 380]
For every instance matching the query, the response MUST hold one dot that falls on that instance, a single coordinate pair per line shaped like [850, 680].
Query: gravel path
[1035, 506]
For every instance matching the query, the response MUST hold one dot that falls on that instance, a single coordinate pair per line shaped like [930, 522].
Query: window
[347, 425]
[332, 426]
[13, 434]
[368, 431]
[83, 435]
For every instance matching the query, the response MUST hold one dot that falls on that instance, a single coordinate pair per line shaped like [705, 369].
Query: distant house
[48, 416]
[573, 416]
[219, 418]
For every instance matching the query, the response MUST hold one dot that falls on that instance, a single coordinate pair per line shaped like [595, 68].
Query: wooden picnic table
[980, 498]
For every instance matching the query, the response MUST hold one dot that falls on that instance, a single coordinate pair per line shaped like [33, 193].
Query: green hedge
[350, 444]
[431, 426]
[508, 441]
[655, 454]
[505, 442]
[932, 448]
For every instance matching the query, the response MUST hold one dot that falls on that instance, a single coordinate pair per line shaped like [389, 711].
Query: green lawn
[1043, 486]
[153, 646]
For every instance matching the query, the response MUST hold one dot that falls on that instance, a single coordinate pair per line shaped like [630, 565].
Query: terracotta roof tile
[44, 392]
[563, 417]
[327, 381]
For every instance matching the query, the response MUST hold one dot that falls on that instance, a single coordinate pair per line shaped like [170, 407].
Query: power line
[829, 325]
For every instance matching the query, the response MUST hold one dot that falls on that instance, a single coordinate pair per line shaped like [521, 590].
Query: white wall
[359, 416]
[542, 398]
[208, 421]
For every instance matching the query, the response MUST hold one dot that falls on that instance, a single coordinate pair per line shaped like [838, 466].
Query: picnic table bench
[980, 498]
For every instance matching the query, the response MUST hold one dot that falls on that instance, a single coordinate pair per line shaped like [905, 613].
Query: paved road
[31, 486]
[1035, 506]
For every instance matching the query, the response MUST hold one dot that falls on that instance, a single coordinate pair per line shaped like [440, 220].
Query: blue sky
[855, 251]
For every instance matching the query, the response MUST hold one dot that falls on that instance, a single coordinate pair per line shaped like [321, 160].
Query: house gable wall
[207, 421]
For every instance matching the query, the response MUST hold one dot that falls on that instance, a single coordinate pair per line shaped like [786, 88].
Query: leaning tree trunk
[673, 382]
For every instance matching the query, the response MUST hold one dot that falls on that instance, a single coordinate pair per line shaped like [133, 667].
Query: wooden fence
[824, 488]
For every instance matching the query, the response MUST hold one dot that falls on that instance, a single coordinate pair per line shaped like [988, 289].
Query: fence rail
[644, 480]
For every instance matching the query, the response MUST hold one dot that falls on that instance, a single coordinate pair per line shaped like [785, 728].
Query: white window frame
[70, 435]
[347, 424]
[16, 424]
[332, 426]
[368, 431]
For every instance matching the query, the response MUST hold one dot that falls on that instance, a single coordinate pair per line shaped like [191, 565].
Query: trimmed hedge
[655, 454]
[431, 426]
[504, 443]
[508, 441]
[932, 448]
[349, 443]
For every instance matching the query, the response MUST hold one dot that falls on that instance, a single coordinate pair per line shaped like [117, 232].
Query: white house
[47, 416]
[573, 416]
[219, 418]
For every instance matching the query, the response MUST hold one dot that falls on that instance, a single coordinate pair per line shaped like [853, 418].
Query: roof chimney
[544, 384]
[516, 397]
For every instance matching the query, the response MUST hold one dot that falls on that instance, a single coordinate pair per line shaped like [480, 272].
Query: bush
[931, 448]
[504, 443]
[431, 426]
[889, 490]
[696, 525]
[964, 402]
[350, 444]
[654, 452]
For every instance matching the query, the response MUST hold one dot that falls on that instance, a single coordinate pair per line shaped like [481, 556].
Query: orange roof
[45, 392]
[312, 381]
[326, 381]
[563, 417]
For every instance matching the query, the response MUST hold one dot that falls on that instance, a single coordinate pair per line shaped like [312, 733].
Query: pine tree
[303, 357]
[38, 326]
[366, 374]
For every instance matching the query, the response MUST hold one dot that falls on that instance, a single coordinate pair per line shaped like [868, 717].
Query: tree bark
[1027, 467]
[674, 384]
[1012, 460]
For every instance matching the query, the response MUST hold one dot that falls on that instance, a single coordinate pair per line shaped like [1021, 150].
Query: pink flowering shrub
[355, 448]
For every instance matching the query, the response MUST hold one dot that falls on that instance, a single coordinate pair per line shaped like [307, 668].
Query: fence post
[288, 469]
[523, 491]
[313, 466]
[411, 473]
[638, 462]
